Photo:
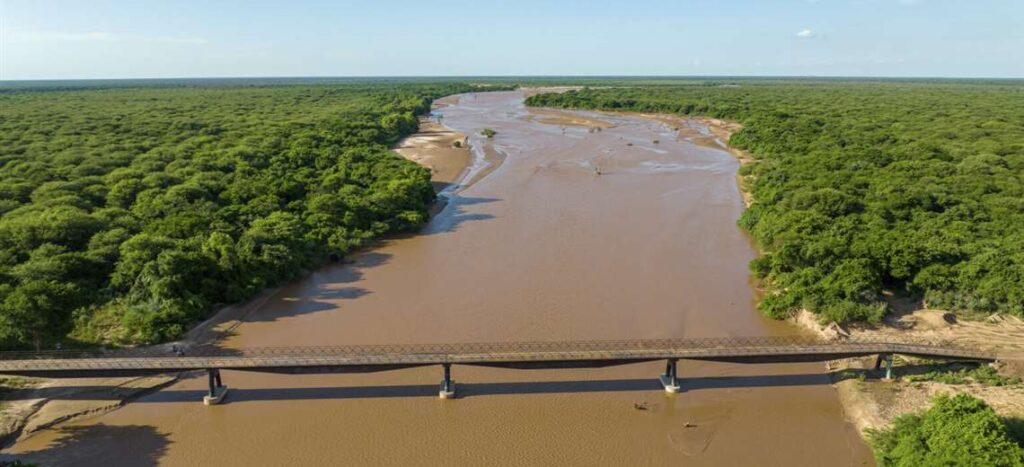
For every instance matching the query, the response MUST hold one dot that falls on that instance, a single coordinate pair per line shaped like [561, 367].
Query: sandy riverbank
[456, 160]
[702, 131]
[870, 403]
[713, 133]
[44, 403]
[445, 152]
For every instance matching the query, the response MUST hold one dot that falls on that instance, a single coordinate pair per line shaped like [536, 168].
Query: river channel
[573, 233]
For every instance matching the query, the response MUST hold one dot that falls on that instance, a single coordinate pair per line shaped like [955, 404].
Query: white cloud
[806, 33]
[50, 36]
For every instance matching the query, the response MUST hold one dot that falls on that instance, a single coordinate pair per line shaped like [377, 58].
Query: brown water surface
[578, 234]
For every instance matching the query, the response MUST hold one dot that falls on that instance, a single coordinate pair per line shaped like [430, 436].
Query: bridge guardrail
[507, 351]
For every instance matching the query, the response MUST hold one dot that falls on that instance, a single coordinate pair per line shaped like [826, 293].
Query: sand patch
[46, 403]
[874, 404]
[445, 152]
[533, 91]
[702, 131]
[560, 118]
[997, 332]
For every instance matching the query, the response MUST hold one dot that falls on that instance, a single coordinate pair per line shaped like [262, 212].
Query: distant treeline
[864, 187]
[128, 214]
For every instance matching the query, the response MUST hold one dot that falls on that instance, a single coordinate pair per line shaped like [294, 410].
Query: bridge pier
[885, 359]
[669, 380]
[447, 384]
[217, 389]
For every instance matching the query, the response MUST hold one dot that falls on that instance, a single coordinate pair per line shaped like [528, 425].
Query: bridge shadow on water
[470, 390]
[99, 445]
[465, 390]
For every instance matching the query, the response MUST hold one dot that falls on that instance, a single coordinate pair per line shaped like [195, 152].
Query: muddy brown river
[577, 234]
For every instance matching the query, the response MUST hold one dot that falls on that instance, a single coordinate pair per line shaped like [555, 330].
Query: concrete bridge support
[447, 384]
[217, 389]
[885, 359]
[669, 380]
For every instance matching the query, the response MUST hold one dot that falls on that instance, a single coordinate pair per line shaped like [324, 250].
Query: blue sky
[55, 39]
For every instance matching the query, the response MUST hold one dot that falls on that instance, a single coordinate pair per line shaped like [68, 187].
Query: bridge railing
[540, 349]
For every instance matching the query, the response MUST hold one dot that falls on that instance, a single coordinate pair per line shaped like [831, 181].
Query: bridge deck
[579, 354]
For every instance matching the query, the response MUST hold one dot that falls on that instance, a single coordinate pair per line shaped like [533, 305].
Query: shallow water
[578, 234]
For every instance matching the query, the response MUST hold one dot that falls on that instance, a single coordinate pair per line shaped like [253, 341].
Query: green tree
[38, 311]
[958, 430]
[142, 208]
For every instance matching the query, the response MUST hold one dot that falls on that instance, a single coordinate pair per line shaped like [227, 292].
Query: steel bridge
[518, 355]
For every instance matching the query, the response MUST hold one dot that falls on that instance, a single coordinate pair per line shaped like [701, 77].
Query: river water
[577, 234]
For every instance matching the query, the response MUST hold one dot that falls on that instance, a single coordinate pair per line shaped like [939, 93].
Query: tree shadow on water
[100, 445]
[454, 214]
[320, 291]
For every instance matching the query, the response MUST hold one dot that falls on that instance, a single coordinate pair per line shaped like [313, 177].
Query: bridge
[517, 355]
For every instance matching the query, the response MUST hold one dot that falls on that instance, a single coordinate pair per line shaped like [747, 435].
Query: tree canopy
[959, 430]
[865, 186]
[129, 213]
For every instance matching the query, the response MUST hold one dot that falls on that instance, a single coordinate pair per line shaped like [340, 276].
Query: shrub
[959, 430]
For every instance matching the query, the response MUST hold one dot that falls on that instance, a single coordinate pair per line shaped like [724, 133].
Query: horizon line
[525, 76]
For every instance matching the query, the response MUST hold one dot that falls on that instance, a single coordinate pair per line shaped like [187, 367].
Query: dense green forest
[862, 187]
[129, 213]
[957, 430]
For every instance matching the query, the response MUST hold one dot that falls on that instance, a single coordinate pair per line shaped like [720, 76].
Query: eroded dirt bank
[578, 233]
[872, 404]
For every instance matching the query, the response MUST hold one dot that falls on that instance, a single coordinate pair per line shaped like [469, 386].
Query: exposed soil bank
[577, 234]
[43, 404]
[871, 403]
